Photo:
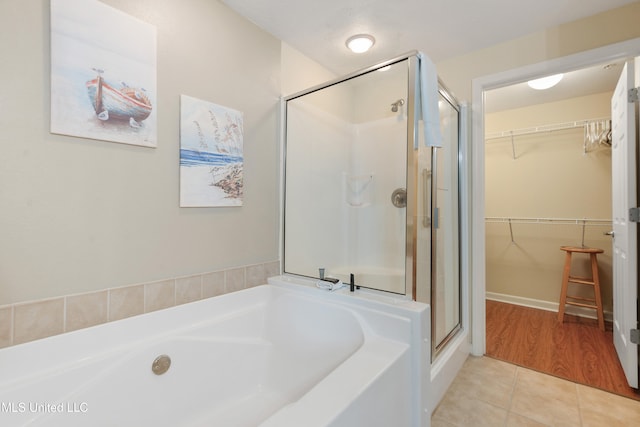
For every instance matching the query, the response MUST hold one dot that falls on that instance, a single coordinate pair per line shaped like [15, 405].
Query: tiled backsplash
[32, 320]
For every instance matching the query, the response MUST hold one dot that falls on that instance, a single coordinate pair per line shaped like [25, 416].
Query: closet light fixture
[545, 82]
[360, 43]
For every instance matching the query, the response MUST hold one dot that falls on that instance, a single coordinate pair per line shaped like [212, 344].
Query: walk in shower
[364, 195]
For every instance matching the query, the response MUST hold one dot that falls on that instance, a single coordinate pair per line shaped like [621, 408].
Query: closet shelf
[542, 128]
[558, 221]
[583, 222]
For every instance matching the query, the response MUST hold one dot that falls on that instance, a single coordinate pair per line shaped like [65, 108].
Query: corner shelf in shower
[358, 189]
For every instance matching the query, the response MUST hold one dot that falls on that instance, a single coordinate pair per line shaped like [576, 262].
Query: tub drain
[161, 364]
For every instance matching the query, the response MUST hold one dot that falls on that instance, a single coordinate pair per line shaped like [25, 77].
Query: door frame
[613, 52]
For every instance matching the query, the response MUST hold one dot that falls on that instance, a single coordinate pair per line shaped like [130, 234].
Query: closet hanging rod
[542, 128]
[558, 221]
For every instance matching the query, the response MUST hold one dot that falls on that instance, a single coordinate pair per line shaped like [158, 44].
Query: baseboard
[546, 305]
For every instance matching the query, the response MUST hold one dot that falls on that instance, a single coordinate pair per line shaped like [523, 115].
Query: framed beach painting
[211, 154]
[103, 73]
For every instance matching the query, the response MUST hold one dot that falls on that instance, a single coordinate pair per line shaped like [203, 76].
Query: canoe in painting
[126, 103]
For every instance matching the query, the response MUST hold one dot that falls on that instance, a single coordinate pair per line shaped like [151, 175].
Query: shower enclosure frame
[438, 346]
[412, 220]
[411, 208]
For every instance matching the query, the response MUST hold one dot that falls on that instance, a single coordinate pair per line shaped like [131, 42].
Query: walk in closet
[548, 184]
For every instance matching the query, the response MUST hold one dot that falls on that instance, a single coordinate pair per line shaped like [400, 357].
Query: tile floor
[489, 392]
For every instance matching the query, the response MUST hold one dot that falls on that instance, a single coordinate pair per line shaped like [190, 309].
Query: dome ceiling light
[545, 82]
[360, 43]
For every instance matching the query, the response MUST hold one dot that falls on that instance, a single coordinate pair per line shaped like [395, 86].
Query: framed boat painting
[211, 154]
[103, 73]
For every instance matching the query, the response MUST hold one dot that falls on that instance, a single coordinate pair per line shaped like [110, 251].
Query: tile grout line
[513, 389]
[579, 398]
[516, 378]
[64, 314]
[13, 325]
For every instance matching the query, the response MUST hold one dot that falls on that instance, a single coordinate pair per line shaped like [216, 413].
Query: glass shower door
[346, 180]
[438, 266]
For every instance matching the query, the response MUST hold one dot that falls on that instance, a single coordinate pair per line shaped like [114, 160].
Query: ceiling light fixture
[360, 43]
[545, 82]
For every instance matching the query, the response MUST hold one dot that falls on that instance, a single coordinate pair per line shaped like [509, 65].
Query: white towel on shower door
[429, 110]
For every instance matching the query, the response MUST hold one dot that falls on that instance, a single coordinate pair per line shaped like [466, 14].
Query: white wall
[81, 215]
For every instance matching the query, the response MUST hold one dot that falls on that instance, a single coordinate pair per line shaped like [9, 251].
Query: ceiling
[597, 79]
[440, 28]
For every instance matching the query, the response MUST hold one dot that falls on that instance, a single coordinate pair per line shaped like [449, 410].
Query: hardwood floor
[575, 350]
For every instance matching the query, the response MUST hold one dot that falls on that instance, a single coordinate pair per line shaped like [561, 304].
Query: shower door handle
[426, 192]
[433, 209]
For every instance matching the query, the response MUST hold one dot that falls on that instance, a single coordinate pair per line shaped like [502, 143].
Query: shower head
[395, 105]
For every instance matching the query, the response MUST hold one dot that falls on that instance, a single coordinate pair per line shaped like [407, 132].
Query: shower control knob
[399, 197]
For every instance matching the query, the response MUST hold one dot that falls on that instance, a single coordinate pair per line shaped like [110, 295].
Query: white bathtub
[276, 355]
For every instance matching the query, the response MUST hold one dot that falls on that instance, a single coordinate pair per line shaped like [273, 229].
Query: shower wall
[359, 166]
[316, 196]
[377, 228]
[379, 151]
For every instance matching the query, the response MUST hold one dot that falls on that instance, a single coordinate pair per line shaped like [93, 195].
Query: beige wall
[551, 177]
[81, 215]
[299, 72]
[607, 28]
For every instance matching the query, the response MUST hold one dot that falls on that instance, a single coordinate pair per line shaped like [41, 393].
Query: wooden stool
[594, 281]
